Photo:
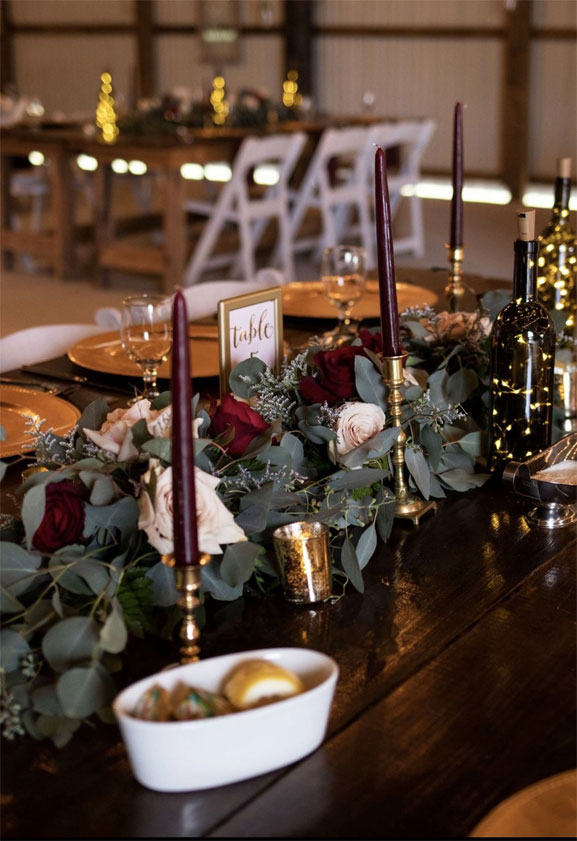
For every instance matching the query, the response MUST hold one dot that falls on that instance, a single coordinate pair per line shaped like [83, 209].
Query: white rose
[357, 423]
[115, 434]
[215, 522]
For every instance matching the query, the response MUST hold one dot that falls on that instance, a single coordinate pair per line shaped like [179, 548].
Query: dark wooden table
[456, 689]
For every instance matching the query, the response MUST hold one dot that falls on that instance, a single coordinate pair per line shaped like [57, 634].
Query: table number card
[250, 325]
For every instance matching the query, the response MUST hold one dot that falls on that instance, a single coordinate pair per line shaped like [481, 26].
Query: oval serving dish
[193, 755]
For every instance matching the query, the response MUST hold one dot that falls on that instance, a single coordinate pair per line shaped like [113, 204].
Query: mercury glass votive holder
[304, 555]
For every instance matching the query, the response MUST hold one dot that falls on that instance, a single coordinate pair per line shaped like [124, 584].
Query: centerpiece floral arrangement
[83, 567]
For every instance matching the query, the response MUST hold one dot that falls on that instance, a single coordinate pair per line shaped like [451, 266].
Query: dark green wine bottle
[557, 274]
[522, 362]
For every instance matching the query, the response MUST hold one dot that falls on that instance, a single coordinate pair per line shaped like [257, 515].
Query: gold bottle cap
[563, 167]
[526, 224]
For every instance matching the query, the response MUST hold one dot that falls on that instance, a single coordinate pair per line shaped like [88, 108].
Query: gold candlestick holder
[454, 290]
[407, 506]
[187, 580]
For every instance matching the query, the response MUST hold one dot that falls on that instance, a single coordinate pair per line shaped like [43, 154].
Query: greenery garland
[82, 568]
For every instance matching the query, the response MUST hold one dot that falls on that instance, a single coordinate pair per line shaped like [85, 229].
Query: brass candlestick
[407, 506]
[454, 290]
[187, 580]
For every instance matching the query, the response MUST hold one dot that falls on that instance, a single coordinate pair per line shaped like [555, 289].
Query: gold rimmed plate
[104, 353]
[21, 409]
[307, 300]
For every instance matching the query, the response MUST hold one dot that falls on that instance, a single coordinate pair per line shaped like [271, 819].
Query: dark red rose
[246, 422]
[63, 520]
[337, 369]
[372, 341]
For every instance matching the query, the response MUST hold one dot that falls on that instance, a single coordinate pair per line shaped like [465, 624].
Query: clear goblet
[343, 272]
[147, 335]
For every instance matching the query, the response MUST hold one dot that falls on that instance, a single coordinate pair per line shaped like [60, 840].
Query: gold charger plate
[21, 406]
[104, 353]
[307, 299]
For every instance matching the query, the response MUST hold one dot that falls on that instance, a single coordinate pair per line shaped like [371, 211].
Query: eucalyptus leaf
[114, 636]
[238, 562]
[474, 443]
[163, 400]
[350, 564]
[419, 470]
[461, 480]
[369, 382]
[33, 509]
[245, 377]
[58, 728]
[366, 545]
[3, 469]
[385, 519]
[45, 701]
[70, 641]
[375, 447]
[351, 479]
[253, 518]
[461, 384]
[84, 690]
[294, 446]
[437, 383]
[94, 415]
[140, 433]
[159, 447]
[9, 603]
[69, 556]
[18, 568]
[2, 433]
[102, 491]
[122, 514]
[433, 443]
[213, 583]
[12, 648]
[94, 573]
[164, 592]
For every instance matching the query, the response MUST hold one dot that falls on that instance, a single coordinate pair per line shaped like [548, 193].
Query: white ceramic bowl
[193, 755]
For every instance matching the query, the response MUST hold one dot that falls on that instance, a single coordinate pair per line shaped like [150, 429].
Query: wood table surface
[456, 689]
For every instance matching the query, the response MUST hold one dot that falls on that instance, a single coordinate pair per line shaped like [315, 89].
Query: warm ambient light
[119, 166]
[217, 172]
[86, 163]
[36, 158]
[483, 192]
[192, 172]
[266, 175]
[137, 167]
[543, 197]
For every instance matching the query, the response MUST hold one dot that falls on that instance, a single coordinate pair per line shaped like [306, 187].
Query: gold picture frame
[246, 327]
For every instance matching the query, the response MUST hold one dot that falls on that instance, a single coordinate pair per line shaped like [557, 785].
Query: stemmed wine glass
[147, 335]
[343, 272]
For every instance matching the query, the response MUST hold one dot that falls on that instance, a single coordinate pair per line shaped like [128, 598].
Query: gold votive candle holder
[304, 555]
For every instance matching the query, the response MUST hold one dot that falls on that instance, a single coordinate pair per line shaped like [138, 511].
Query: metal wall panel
[64, 71]
[420, 77]
[414, 13]
[71, 11]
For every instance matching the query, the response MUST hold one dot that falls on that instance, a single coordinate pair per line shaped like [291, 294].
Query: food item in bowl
[255, 683]
[188, 703]
[154, 704]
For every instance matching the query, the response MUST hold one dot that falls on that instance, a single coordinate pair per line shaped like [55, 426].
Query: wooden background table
[456, 689]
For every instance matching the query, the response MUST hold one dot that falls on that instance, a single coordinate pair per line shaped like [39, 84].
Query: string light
[218, 101]
[106, 110]
[291, 98]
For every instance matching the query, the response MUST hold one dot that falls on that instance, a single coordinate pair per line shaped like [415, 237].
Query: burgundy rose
[63, 520]
[246, 422]
[337, 369]
[372, 341]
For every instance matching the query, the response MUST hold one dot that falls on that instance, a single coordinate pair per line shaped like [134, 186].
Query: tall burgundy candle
[387, 282]
[457, 202]
[184, 496]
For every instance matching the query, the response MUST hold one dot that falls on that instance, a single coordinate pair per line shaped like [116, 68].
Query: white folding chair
[411, 138]
[38, 344]
[236, 204]
[334, 197]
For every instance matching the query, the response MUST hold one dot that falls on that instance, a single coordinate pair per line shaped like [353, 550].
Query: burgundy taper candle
[386, 260]
[183, 487]
[457, 201]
